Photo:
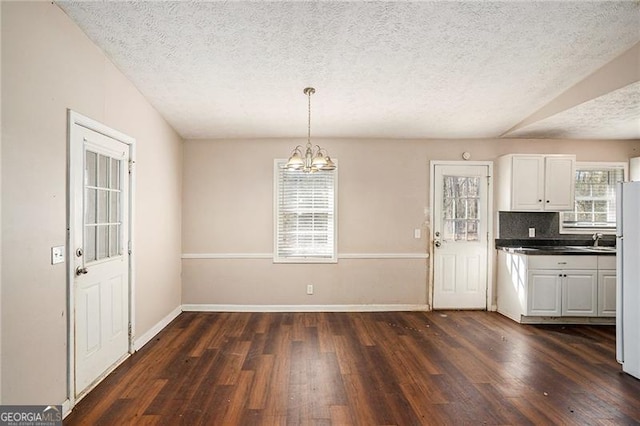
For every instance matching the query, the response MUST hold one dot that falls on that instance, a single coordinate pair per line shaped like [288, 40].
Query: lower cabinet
[556, 286]
[607, 293]
[570, 293]
[544, 293]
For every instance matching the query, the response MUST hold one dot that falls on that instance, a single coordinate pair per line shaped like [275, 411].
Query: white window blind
[595, 203]
[305, 215]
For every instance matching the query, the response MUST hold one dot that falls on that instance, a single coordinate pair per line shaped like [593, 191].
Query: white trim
[153, 331]
[340, 256]
[66, 408]
[383, 256]
[227, 255]
[490, 226]
[75, 119]
[302, 308]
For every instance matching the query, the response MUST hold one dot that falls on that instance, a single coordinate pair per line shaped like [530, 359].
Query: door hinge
[131, 163]
[130, 331]
[129, 247]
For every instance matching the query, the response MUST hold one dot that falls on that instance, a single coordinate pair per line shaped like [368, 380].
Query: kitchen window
[595, 199]
[305, 206]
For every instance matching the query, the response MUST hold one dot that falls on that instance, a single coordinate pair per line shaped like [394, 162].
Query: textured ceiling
[381, 69]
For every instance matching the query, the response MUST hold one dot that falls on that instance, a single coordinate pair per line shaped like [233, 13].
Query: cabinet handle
[539, 201]
[560, 275]
[565, 275]
[562, 263]
[547, 201]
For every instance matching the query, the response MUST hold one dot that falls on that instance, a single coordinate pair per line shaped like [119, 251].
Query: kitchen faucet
[596, 238]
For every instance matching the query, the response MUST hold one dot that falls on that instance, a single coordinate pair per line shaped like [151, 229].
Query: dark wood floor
[412, 368]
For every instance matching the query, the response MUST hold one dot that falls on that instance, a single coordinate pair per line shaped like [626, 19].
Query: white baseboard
[139, 342]
[66, 408]
[302, 308]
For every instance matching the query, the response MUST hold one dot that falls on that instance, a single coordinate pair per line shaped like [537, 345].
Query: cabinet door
[579, 293]
[559, 183]
[544, 294]
[607, 293]
[527, 184]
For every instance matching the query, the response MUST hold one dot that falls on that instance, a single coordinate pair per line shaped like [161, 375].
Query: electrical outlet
[417, 233]
[309, 288]
[532, 232]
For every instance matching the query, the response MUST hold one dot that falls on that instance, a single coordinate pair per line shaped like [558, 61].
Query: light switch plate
[532, 232]
[416, 233]
[57, 255]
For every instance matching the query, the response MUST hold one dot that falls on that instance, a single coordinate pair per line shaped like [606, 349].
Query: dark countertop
[569, 246]
[562, 250]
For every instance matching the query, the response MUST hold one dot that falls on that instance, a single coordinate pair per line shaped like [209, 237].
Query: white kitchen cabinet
[531, 182]
[544, 293]
[533, 288]
[579, 293]
[607, 293]
[607, 286]
[572, 293]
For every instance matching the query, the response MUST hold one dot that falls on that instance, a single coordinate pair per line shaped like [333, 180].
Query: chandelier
[315, 158]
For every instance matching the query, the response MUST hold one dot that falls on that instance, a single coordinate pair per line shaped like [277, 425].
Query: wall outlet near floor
[309, 288]
[532, 232]
[417, 234]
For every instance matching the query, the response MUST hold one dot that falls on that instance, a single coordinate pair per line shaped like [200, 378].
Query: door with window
[460, 236]
[99, 249]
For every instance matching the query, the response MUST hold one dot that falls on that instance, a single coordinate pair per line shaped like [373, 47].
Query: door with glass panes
[460, 225]
[100, 253]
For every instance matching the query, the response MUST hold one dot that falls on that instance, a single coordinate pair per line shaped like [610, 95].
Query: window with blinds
[305, 215]
[595, 203]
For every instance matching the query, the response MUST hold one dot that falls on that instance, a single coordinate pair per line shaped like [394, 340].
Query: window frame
[592, 165]
[277, 165]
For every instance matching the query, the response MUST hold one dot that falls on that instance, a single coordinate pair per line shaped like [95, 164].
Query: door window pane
[461, 197]
[114, 240]
[103, 171]
[90, 243]
[103, 241]
[115, 174]
[90, 165]
[102, 207]
[90, 207]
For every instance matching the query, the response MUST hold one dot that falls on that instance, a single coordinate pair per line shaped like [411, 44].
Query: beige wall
[383, 192]
[48, 65]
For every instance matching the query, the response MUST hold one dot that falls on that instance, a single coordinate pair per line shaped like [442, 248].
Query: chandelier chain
[309, 92]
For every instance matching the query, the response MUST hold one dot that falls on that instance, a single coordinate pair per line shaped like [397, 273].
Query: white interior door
[100, 254]
[460, 230]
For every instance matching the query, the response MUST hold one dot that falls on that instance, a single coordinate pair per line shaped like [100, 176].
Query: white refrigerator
[628, 277]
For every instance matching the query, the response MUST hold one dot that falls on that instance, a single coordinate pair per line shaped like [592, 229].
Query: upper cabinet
[531, 182]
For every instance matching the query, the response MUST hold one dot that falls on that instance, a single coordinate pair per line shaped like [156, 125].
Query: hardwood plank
[402, 368]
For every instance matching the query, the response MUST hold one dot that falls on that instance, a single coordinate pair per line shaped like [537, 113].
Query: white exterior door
[99, 254]
[460, 230]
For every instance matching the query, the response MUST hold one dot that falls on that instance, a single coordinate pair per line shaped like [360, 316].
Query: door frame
[75, 120]
[490, 223]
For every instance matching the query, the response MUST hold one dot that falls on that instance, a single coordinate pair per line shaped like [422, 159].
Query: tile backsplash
[515, 226]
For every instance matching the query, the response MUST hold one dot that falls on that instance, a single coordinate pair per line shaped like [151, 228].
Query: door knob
[436, 243]
[81, 271]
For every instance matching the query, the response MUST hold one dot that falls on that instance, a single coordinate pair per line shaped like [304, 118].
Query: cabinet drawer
[606, 262]
[563, 262]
